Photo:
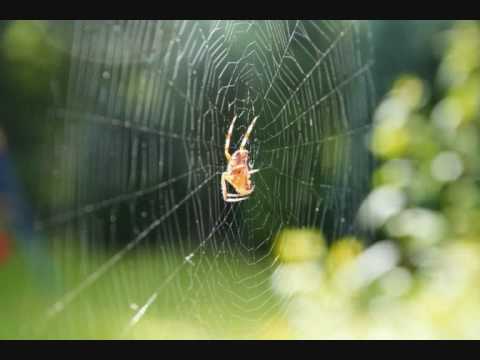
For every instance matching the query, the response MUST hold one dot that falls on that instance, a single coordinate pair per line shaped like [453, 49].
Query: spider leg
[247, 134]
[230, 195]
[237, 199]
[253, 171]
[229, 136]
[225, 193]
[224, 187]
[244, 195]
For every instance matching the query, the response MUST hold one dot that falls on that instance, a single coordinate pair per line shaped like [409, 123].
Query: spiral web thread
[138, 145]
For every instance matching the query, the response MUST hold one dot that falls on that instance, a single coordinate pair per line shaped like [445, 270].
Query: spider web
[136, 220]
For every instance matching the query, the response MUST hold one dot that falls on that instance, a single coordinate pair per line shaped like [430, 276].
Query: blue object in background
[17, 221]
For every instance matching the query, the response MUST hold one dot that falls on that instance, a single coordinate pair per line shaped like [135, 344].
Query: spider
[238, 168]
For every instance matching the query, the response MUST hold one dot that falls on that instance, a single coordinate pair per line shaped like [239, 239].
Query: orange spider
[238, 168]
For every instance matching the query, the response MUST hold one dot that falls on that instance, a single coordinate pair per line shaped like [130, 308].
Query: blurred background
[362, 224]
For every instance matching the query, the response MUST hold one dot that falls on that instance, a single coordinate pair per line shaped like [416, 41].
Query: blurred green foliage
[33, 71]
[29, 55]
[420, 280]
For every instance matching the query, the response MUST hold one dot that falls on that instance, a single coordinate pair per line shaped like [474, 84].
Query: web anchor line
[60, 305]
